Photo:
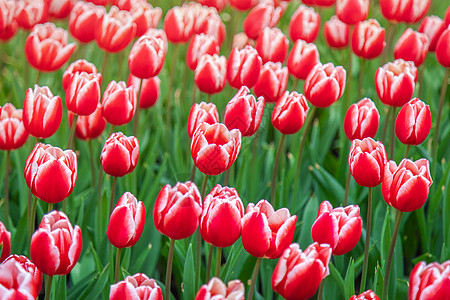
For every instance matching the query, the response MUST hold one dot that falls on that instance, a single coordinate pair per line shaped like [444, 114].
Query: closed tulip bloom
[91, 126]
[138, 287]
[77, 66]
[84, 19]
[46, 47]
[42, 112]
[367, 159]
[367, 295]
[368, 39]
[28, 266]
[261, 16]
[289, 113]
[150, 90]
[200, 45]
[432, 27]
[406, 186]
[325, 84]
[240, 40]
[412, 46]
[336, 33]
[5, 242]
[179, 24]
[272, 45]
[409, 11]
[339, 227]
[413, 122]
[16, 282]
[8, 23]
[217, 4]
[298, 274]
[272, 81]
[60, 9]
[30, 13]
[177, 210]
[429, 281]
[352, 11]
[361, 120]
[322, 3]
[266, 232]
[119, 103]
[244, 67]
[199, 113]
[145, 16]
[83, 93]
[220, 223]
[12, 131]
[208, 21]
[243, 112]
[51, 173]
[395, 82]
[120, 154]
[304, 24]
[216, 289]
[443, 49]
[302, 59]
[210, 74]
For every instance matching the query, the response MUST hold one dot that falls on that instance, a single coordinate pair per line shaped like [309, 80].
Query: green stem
[194, 169]
[32, 215]
[204, 184]
[169, 93]
[38, 75]
[72, 132]
[361, 78]
[303, 141]
[227, 176]
[113, 193]
[50, 207]
[254, 277]
[294, 84]
[208, 266]
[6, 189]
[218, 261]
[421, 70]
[103, 69]
[347, 187]
[169, 268]
[392, 144]
[92, 163]
[348, 87]
[275, 169]
[48, 286]
[367, 244]
[209, 98]
[390, 31]
[117, 269]
[398, 219]
[138, 109]
[198, 252]
[320, 292]
[407, 150]
[194, 92]
[386, 124]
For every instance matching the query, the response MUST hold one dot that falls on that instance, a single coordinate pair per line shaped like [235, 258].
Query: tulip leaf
[385, 236]
[334, 273]
[378, 281]
[350, 279]
[231, 268]
[188, 284]
[61, 288]
[81, 285]
[100, 283]
[331, 188]
[309, 216]
[98, 263]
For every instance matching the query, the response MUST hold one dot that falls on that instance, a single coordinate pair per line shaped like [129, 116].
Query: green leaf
[61, 288]
[188, 283]
[81, 285]
[100, 283]
[350, 280]
[334, 273]
[386, 236]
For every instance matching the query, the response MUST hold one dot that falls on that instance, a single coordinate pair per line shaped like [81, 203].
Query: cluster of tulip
[217, 219]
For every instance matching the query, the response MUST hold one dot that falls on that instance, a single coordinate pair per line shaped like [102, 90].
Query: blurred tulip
[120, 154]
[16, 282]
[220, 223]
[60, 9]
[179, 24]
[91, 126]
[352, 11]
[5, 242]
[243, 112]
[367, 295]
[77, 66]
[272, 81]
[12, 131]
[244, 67]
[243, 4]
[138, 287]
[8, 23]
[199, 113]
[298, 274]
[84, 19]
[409, 11]
[261, 16]
[429, 281]
[46, 47]
[56, 245]
[412, 46]
[210, 74]
[304, 24]
[322, 3]
[395, 82]
[443, 49]
[208, 21]
[42, 112]
[368, 39]
[216, 289]
[367, 159]
[336, 33]
[30, 13]
[83, 93]
[339, 227]
[240, 40]
[118, 103]
[325, 84]
[302, 59]
[177, 210]
[432, 27]
[361, 120]
[272, 45]
[289, 113]
[413, 122]
[407, 185]
[145, 16]
[150, 90]
[217, 4]
[99, 2]
[200, 45]
[28, 266]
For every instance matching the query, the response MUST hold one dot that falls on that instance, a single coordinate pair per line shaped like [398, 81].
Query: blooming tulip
[368, 39]
[429, 281]
[31, 12]
[119, 103]
[56, 245]
[325, 84]
[261, 16]
[406, 186]
[336, 33]
[5, 242]
[200, 45]
[432, 27]
[367, 295]
[99, 2]
[84, 19]
[409, 11]
[83, 93]
[352, 11]
[272, 81]
[413, 122]
[244, 67]
[199, 113]
[28, 266]
[177, 210]
[77, 66]
[138, 287]
[12, 131]
[217, 4]
[145, 16]
[216, 289]
[272, 45]
[179, 24]
[243, 4]
[210, 74]
[412, 46]
[361, 120]
[322, 3]
[60, 9]
[289, 113]
[120, 154]
[150, 90]
[208, 21]
[16, 282]
[302, 59]
[304, 24]
[443, 49]
[8, 23]
[91, 126]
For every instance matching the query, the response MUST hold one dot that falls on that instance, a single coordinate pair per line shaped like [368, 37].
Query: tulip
[289, 113]
[210, 74]
[56, 245]
[179, 24]
[16, 282]
[272, 45]
[367, 295]
[30, 13]
[84, 19]
[200, 45]
[406, 186]
[12, 131]
[216, 289]
[336, 33]
[443, 49]
[244, 67]
[432, 27]
[77, 66]
[99, 2]
[91, 126]
[119, 103]
[325, 84]
[177, 210]
[83, 93]
[5, 242]
[220, 223]
[272, 81]
[298, 274]
[409, 11]
[199, 113]
[368, 39]
[150, 90]
[412, 46]
[60, 9]
[8, 23]
[138, 287]
[243, 112]
[429, 281]
[208, 21]
[28, 266]
[304, 24]
[302, 59]
[240, 40]
[243, 4]
[352, 11]
[145, 16]
[217, 4]
[361, 120]
[322, 3]
[46, 47]
[413, 122]
[261, 16]
[120, 154]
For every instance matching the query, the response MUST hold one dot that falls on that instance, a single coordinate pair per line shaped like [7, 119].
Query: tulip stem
[92, 163]
[302, 143]
[208, 266]
[347, 188]
[50, 207]
[72, 132]
[275, 169]
[348, 88]
[227, 176]
[407, 150]
[420, 71]
[367, 244]
[104, 64]
[218, 261]
[294, 87]
[194, 169]
[38, 75]
[48, 286]
[320, 292]
[113, 193]
[138, 109]
[33, 202]
[205, 182]
[361, 77]
[254, 277]
[117, 269]
[393, 117]
[169, 93]
[6, 189]
[390, 31]
[169, 268]
[198, 250]
[398, 219]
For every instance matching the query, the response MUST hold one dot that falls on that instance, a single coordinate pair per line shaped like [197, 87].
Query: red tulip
[412, 46]
[46, 47]
[199, 113]
[432, 27]
[29, 267]
[56, 245]
[395, 82]
[179, 24]
[150, 90]
[413, 122]
[119, 103]
[406, 186]
[272, 45]
[77, 66]
[83, 93]
[200, 45]
[177, 210]
[84, 19]
[368, 39]
[99, 2]
[12, 131]
[216, 289]
[302, 59]
[325, 84]
[244, 67]
[60, 9]
[5, 242]
[443, 49]
[42, 112]
[240, 40]
[361, 120]
[289, 113]
[339, 227]
[8, 23]
[208, 21]
[220, 223]
[91, 126]
[217, 4]
[272, 81]
[30, 13]
[124, 4]
[243, 112]
[16, 282]
[120, 154]
[298, 274]
[429, 281]
[115, 30]
[138, 287]
[322, 3]
[336, 33]
[367, 295]
[210, 74]
[261, 16]
[145, 16]
[367, 159]
[352, 11]
[126, 222]
[409, 11]
[243, 4]
[304, 24]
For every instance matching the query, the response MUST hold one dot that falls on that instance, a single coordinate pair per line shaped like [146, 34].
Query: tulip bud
[84, 19]
[325, 84]
[210, 74]
[31, 12]
[412, 46]
[336, 33]
[272, 45]
[407, 185]
[304, 24]
[443, 49]
[30, 268]
[56, 245]
[16, 282]
[413, 122]
[145, 16]
[199, 113]
[367, 295]
[368, 39]
[120, 154]
[361, 120]
[243, 4]
[12, 131]
[5, 242]
[429, 281]
[216, 289]
[89, 127]
[244, 67]
[409, 11]
[83, 93]
[8, 23]
[77, 66]
[272, 81]
[179, 24]
[220, 223]
[432, 27]
[119, 103]
[59, 9]
[138, 286]
[302, 59]
[150, 90]
[177, 210]
[200, 45]
[339, 227]
[289, 113]
[352, 11]
[261, 16]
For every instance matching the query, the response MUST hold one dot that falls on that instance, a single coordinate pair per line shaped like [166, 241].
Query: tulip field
[225, 149]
